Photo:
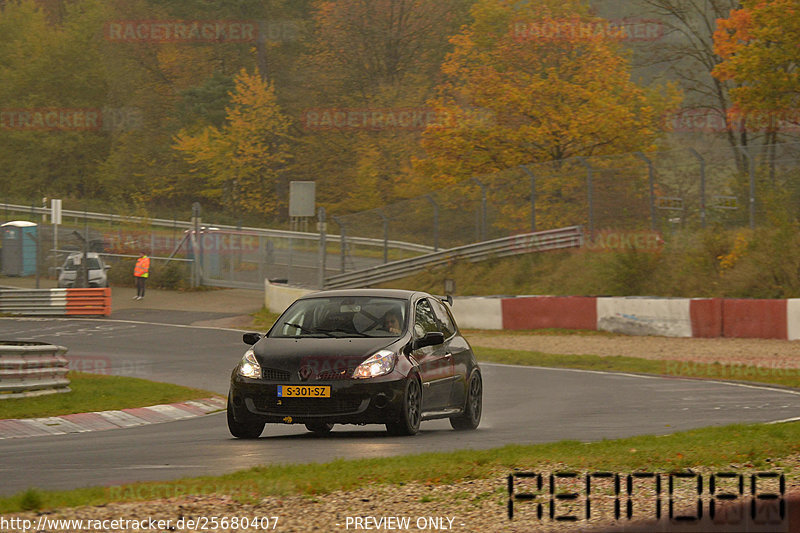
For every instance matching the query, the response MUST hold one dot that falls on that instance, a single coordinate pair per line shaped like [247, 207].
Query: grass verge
[263, 319]
[96, 392]
[729, 447]
[785, 377]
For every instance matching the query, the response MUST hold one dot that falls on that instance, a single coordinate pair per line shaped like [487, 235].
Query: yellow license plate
[304, 391]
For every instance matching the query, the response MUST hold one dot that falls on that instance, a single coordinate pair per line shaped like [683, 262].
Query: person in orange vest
[141, 272]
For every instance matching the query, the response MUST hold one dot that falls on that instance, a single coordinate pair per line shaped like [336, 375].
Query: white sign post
[55, 217]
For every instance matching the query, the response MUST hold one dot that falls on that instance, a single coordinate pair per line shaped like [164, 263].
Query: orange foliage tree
[240, 164]
[760, 51]
[530, 82]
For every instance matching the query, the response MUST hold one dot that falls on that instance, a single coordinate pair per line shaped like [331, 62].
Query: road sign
[302, 198]
[55, 211]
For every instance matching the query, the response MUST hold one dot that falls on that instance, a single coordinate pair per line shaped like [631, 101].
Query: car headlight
[249, 366]
[378, 365]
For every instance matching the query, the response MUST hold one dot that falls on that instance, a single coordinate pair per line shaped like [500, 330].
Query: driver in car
[391, 322]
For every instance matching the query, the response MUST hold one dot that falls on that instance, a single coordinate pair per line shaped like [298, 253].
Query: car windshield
[342, 316]
[72, 264]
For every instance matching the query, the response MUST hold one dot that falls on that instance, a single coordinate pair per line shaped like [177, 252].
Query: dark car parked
[367, 356]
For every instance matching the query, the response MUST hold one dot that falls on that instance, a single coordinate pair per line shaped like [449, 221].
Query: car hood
[319, 358]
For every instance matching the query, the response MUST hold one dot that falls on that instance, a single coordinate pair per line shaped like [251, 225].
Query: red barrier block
[88, 302]
[706, 316]
[542, 312]
[754, 319]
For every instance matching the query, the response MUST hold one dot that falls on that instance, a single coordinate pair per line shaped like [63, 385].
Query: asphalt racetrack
[521, 405]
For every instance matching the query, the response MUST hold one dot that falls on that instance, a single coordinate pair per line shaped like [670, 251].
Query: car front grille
[309, 406]
[274, 374]
[330, 375]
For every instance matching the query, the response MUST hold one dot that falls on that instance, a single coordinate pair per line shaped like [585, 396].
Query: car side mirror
[251, 338]
[430, 339]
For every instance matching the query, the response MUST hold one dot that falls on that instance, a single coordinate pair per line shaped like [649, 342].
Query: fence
[660, 191]
[210, 254]
[32, 369]
[571, 237]
[656, 191]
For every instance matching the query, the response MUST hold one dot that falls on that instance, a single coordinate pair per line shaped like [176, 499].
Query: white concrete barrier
[478, 313]
[793, 319]
[669, 317]
[278, 297]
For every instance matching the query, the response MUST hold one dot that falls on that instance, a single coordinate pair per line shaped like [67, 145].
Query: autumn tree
[47, 68]
[241, 164]
[526, 84]
[685, 52]
[533, 82]
[759, 47]
[381, 55]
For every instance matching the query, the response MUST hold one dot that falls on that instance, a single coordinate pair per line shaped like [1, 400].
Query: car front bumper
[352, 401]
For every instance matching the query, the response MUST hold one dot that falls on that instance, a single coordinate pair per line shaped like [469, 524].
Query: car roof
[92, 255]
[386, 293]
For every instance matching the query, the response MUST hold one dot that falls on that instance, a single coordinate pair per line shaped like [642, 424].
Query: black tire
[411, 416]
[471, 416]
[319, 427]
[243, 430]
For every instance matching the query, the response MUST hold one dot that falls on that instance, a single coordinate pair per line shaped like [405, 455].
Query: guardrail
[32, 369]
[55, 302]
[275, 233]
[570, 237]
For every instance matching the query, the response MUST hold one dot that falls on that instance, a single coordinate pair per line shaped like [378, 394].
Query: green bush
[710, 263]
[171, 276]
[31, 500]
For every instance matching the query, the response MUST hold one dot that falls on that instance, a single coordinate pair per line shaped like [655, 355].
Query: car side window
[424, 319]
[446, 324]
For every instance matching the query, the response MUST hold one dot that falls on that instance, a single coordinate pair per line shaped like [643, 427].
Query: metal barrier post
[323, 252]
[435, 222]
[589, 193]
[385, 236]
[752, 171]
[702, 162]
[652, 187]
[533, 195]
[343, 241]
[482, 224]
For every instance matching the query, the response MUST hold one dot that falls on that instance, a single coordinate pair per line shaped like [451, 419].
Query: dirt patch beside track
[748, 351]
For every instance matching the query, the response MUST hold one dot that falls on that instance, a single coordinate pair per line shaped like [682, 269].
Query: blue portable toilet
[19, 248]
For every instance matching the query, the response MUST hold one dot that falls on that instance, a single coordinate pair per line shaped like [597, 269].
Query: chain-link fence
[658, 191]
[183, 254]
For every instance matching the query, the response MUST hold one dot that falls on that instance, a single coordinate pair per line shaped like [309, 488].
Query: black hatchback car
[368, 356]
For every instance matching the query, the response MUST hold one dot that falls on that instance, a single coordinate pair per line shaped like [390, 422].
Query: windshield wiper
[345, 331]
[307, 330]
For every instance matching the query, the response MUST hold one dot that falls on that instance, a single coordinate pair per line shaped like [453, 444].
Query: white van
[68, 273]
